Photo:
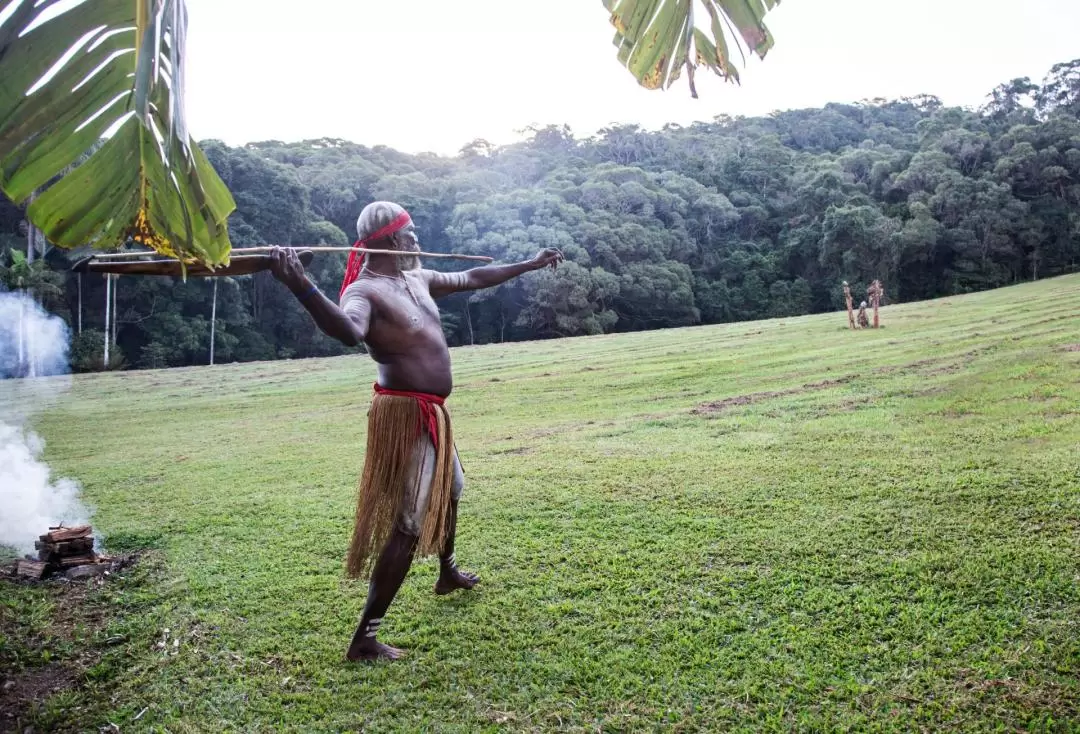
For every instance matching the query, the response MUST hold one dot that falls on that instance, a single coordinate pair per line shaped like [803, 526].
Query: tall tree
[736, 218]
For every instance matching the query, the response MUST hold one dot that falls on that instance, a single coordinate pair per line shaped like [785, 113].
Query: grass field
[761, 526]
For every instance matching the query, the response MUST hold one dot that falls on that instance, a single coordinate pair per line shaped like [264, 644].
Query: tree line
[734, 219]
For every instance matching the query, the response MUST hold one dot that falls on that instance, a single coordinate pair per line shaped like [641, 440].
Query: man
[408, 496]
[864, 322]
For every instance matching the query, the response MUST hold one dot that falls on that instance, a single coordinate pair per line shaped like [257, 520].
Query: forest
[730, 220]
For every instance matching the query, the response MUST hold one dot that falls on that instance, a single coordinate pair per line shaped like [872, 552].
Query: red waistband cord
[356, 257]
[427, 403]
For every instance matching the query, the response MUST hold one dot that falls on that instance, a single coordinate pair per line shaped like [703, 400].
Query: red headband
[356, 257]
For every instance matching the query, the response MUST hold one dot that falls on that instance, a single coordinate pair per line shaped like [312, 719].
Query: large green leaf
[657, 39]
[71, 74]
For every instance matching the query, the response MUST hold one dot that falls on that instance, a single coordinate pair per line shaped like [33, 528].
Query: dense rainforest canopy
[735, 219]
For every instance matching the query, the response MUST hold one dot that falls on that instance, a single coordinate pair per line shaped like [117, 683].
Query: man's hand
[348, 328]
[287, 268]
[547, 257]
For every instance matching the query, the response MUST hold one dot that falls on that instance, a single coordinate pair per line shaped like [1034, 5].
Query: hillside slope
[762, 525]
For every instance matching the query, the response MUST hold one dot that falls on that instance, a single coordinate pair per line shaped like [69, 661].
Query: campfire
[66, 551]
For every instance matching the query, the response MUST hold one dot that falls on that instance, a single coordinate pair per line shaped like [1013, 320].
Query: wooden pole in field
[108, 304]
[847, 299]
[875, 291]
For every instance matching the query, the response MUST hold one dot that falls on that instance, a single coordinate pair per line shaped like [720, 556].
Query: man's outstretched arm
[348, 326]
[489, 276]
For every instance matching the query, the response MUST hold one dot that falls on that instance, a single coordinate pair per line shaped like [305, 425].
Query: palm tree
[33, 278]
[115, 68]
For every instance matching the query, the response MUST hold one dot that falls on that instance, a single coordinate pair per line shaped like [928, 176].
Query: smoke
[33, 377]
[31, 501]
[32, 342]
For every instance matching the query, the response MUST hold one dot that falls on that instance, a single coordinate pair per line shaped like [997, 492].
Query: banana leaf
[73, 75]
[657, 39]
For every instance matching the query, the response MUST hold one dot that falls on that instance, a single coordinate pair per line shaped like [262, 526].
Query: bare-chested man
[412, 480]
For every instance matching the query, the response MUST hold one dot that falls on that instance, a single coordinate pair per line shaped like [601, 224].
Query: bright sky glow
[431, 75]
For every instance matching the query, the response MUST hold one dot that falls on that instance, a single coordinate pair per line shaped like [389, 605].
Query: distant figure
[864, 322]
[412, 478]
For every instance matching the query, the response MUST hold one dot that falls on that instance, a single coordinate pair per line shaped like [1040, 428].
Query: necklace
[399, 277]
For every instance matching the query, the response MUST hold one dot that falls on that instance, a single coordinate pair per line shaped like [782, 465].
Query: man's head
[379, 214]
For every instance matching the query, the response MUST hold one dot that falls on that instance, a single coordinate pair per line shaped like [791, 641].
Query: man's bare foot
[455, 579]
[368, 649]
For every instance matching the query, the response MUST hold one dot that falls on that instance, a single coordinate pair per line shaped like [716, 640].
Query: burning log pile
[67, 551]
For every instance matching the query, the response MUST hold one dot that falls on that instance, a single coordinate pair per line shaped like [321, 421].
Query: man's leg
[386, 578]
[450, 576]
[394, 560]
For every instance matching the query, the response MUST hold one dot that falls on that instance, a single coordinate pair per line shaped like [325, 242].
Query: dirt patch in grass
[924, 392]
[1048, 320]
[851, 405]
[43, 655]
[676, 396]
[979, 693]
[27, 682]
[936, 365]
[20, 692]
[844, 406]
[889, 369]
[718, 406]
[1029, 334]
[552, 431]
[945, 369]
[1071, 348]
[514, 451]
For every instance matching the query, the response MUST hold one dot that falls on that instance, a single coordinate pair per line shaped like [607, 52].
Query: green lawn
[761, 526]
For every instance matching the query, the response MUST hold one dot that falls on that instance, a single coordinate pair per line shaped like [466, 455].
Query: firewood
[58, 534]
[72, 561]
[71, 547]
[30, 569]
[56, 551]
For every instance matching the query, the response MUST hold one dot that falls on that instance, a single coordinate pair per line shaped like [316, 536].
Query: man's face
[405, 240]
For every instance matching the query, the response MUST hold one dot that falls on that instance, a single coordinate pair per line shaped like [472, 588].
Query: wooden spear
[250, 250]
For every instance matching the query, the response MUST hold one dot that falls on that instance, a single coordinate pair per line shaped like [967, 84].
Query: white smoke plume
[33, 376]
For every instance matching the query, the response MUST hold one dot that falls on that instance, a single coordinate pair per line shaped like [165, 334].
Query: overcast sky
[431, 75]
